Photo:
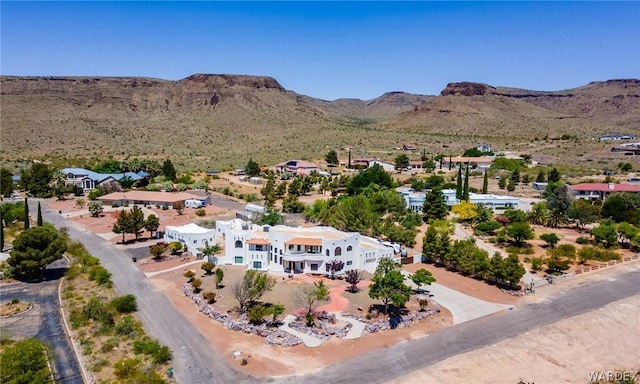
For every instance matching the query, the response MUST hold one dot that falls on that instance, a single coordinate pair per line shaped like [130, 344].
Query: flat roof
[163, 197]
[189, 228]
[313, 241]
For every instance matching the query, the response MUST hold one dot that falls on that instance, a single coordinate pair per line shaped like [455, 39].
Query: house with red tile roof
[600, 191]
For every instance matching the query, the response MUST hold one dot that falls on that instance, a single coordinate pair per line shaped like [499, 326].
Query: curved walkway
[357, 327]
[308, 340]
[181, 266]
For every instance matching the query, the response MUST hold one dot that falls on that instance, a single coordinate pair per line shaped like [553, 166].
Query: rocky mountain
[219, 121]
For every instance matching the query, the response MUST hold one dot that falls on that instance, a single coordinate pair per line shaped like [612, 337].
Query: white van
[193, 203]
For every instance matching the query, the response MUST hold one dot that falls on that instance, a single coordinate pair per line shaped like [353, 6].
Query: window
[327, 252]
[349, 262]
[257, 265]
[349, 248]
[195, 241]
[314, 267]
[291, 247]
[238, 260]
[337, 251]
[238, 244]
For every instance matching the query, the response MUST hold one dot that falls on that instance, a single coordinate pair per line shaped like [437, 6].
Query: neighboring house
[627, 150]
[618, 136]
[410, 148]
[484, 148]
[193, 235]
[368, 162]
[201, 195]
[415, 200]
[145, 198]
[479, 163]
[251, 212]
[386, 166]
[600, 191]
[416, 164]
[89, 180]
[297, 249]
[297, 167]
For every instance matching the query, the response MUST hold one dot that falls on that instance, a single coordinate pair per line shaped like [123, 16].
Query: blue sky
[329, 49]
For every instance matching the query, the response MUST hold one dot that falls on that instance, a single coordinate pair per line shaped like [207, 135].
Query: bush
[15, 301]
[78, 319]
[165, 207]
[256, 314]
[127, 326]
[148, 346]
[110, 345]
[125, 304]
[100, 275]
[200, 212]
[115, 205]
[583, 240]
[126, 368]
[210, 296]
[599, 254]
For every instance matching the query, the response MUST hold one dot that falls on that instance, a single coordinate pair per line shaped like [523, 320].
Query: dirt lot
[563, 352]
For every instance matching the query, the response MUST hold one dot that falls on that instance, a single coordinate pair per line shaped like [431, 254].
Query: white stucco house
[193, 235]
[296, 249]
[415, 200]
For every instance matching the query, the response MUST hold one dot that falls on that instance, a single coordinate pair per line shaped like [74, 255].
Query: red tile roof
[258, 240]
[604, 187]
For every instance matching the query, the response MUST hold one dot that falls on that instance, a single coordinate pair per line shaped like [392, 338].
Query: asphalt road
[44, 321]
[196, 362]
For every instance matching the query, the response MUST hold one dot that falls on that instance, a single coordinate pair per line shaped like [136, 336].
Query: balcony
[303, 257]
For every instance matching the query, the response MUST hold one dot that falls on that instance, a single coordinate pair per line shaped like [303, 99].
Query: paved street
[195, 362]
[44, 321]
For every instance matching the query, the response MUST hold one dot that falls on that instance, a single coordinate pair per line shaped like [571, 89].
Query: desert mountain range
[220, 121]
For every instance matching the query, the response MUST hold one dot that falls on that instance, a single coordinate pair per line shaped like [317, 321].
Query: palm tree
[209, 250]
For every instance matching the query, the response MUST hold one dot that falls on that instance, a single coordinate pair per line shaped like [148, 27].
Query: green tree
[485, 183]
[459, 183]
[168, 170]
[219, 276]
[252, 286]
[605, 233]
[550, 238]
[434, 206]
[36, 180]
[539, 214]
[275, 310]
[123, 224]
[137, 221]
[95, 208]
[34, 249]
[175, 247]
[269, 192]
[465, 187]
[6, 182]
[309, 296]
[554, 176]
[179, 207]
[151, 224]
[583, 212]
[515, 176]
[210, 250]
[270, 217]
[511, 185]
[401, 162]
[502, 181]
[332, 158]
[26, 220]
[513, 270]
[626, 233]
[519, 232]
[622, 207]
[40, 221]
[25, 362]
[252, 168]
[207, 267]
[157, 250]
[374, 175]
[541, 177]
[388, 284]
[422, 277]
[281, 190]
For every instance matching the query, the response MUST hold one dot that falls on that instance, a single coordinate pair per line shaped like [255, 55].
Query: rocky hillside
[219, 121]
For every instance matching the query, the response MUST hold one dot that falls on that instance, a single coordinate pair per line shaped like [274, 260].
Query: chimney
[612, 186]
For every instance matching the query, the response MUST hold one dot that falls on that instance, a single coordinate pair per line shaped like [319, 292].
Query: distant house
[362, 162]
[480, 163]
[89, 180]
[415, 164]
[627, 150]
[618, 136]
[484, 148]
[415, 200]
[148, 198]
[238, 172]
[600, 191]
[297, 167]
[409, 148]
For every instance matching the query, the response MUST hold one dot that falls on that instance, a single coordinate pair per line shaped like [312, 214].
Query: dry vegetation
[13, 308]
[217, 121]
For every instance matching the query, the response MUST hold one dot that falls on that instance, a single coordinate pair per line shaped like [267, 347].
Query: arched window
[337, 251]
[327, 252]
[349, 248]
[238, 244]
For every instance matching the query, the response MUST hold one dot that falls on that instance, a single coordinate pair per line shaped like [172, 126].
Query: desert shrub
[256, 314]
[536, 263]
[210, 296]
[100, 275]
[109, 345]
[127, 326]
[126, 368]
[78, 319]
[165, 207]
[599, 254]
[115, 205]
[583, 240]
[125, 304]
[152, 347]
[200, 212]
[15, 301]
[96, 310]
